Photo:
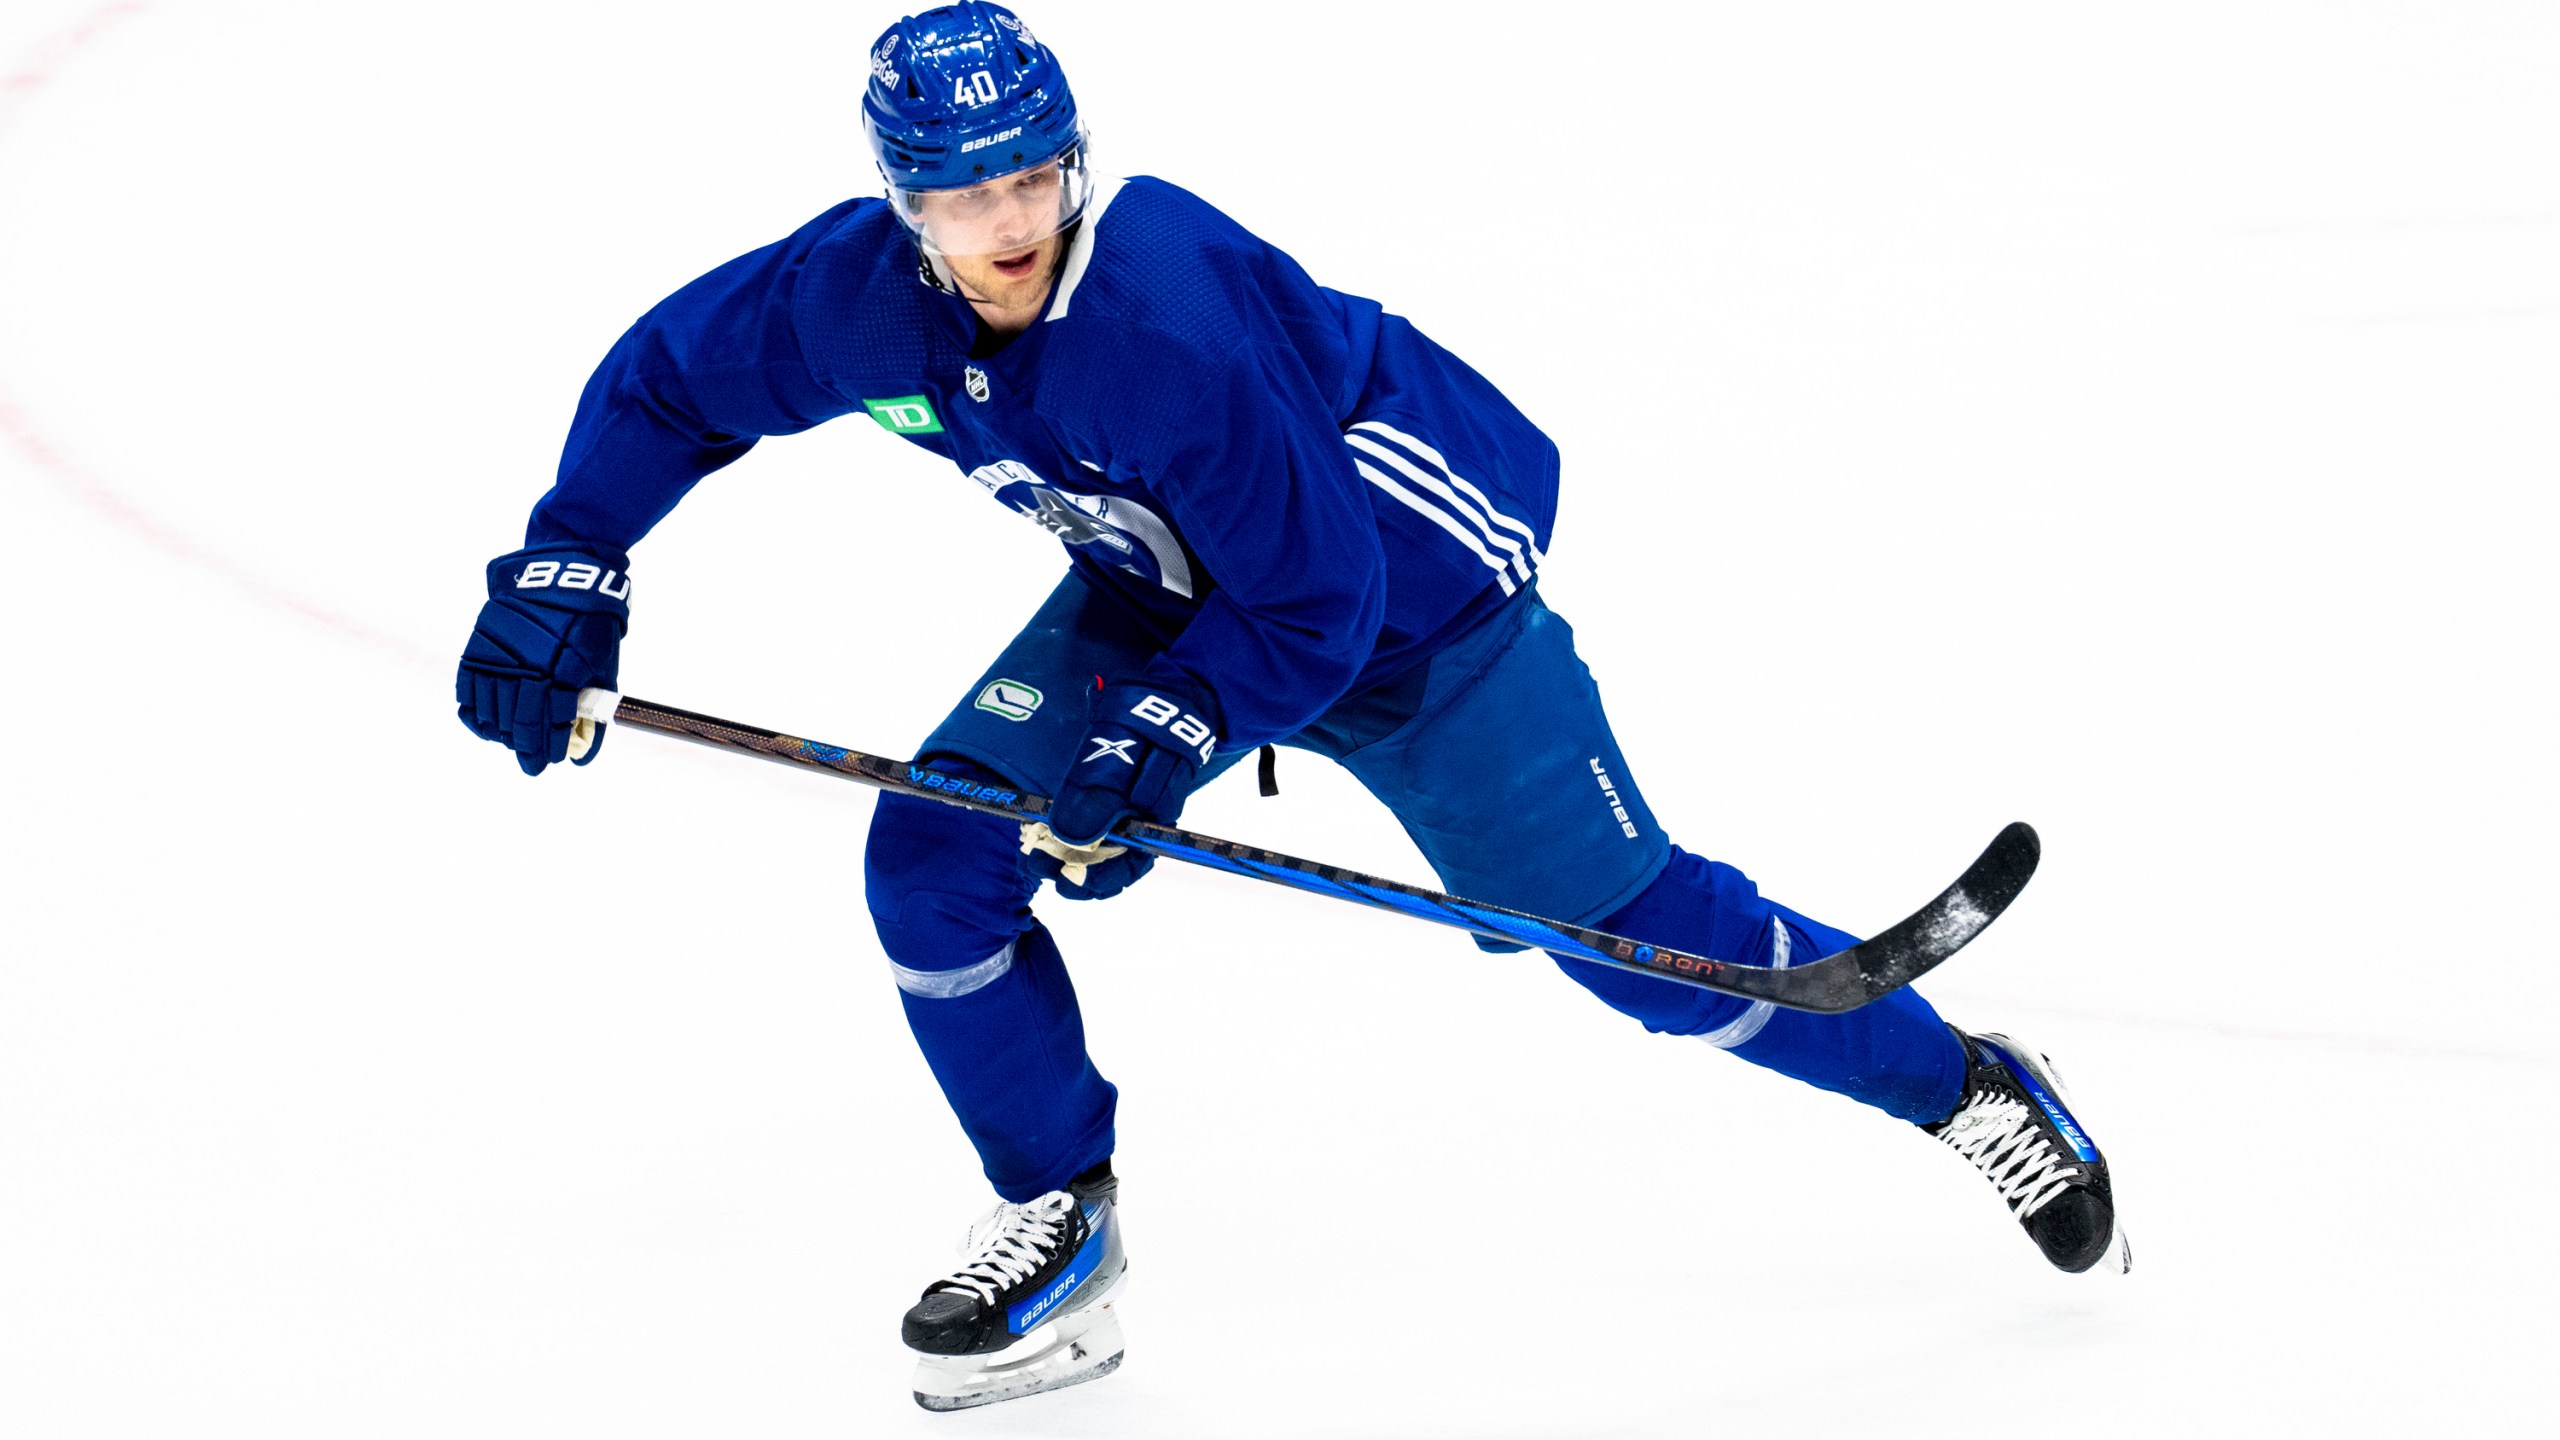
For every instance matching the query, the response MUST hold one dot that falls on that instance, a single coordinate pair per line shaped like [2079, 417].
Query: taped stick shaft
[1830, 985]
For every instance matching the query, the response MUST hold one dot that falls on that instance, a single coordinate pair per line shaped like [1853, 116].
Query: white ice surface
[2137, 422]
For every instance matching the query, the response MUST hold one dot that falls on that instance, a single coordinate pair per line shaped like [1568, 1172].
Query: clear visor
[1011, 212]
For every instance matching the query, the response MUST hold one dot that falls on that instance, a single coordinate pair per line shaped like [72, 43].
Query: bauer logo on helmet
[974, 101]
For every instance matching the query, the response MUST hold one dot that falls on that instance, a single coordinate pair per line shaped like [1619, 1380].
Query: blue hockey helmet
[966, 105]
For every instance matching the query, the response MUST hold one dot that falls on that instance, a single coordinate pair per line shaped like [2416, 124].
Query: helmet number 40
[974, 89]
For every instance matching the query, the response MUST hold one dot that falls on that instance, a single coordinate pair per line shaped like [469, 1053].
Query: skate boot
[2016, 1126]
[1031, 1309]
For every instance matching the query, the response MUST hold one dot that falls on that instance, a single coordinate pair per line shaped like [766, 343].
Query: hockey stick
[1835, 983]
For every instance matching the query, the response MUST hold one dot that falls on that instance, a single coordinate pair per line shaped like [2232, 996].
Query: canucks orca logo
[1128, 535]
[1050, 511]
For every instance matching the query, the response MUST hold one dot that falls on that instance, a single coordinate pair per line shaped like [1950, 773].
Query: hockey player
[1290, 518]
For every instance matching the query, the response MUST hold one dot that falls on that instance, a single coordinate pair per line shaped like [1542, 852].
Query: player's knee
[1709, 908]
[1705, 908]
[945, 886]
[1665, 1007]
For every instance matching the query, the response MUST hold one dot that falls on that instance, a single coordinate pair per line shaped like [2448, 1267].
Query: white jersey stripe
[1080, 251]
[1442, 461]
[1439, 517]
[1432, 483]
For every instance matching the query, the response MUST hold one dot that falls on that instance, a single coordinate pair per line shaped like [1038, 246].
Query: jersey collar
[1080, 249]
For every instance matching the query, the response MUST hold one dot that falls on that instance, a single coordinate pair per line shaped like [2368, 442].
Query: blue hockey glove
[553, 626]
[1141, 754]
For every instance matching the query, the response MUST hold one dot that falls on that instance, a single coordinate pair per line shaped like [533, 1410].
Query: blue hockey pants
[1496, 757]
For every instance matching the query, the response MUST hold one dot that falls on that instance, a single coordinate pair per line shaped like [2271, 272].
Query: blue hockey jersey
[1300, 493]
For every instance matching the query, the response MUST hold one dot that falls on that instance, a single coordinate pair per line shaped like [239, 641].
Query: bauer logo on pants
[1009, 698]
[905, 415]
[1609, 794]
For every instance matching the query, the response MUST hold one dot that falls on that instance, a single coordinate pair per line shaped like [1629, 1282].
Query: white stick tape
[598, 705]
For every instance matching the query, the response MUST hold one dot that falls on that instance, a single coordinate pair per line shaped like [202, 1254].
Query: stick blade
[1913, 946]
[1929, 936]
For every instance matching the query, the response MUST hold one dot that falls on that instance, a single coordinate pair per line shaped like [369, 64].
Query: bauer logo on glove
[1140, 757]
[552, 626]
[1188, 730]
[576, 575]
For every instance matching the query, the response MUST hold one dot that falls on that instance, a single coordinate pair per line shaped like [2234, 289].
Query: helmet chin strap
[934, 271]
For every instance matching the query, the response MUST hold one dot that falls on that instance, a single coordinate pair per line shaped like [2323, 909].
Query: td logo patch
[905, 415]
[1009, 698]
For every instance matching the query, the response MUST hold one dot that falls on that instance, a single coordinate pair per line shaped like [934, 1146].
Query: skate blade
[1086, 1345]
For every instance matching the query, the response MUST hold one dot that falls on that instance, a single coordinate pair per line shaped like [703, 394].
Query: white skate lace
[1999, 1135]
[1009, 1244]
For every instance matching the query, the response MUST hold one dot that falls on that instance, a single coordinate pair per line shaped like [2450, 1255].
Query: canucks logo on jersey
[1117, 531]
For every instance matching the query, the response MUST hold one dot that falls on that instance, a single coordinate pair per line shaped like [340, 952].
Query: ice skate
[2016, 1126]
[1031, 1309]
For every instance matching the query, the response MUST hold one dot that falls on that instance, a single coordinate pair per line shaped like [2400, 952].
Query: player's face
[1000, 238]
[1010, 279]
[1005, 215]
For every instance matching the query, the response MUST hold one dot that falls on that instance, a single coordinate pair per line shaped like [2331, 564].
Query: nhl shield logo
[976, 380]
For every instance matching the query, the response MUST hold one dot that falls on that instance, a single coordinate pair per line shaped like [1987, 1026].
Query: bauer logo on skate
[1023, 1317]
[2052, 1108]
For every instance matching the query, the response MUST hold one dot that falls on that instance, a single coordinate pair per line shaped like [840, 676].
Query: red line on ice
[16, 90]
